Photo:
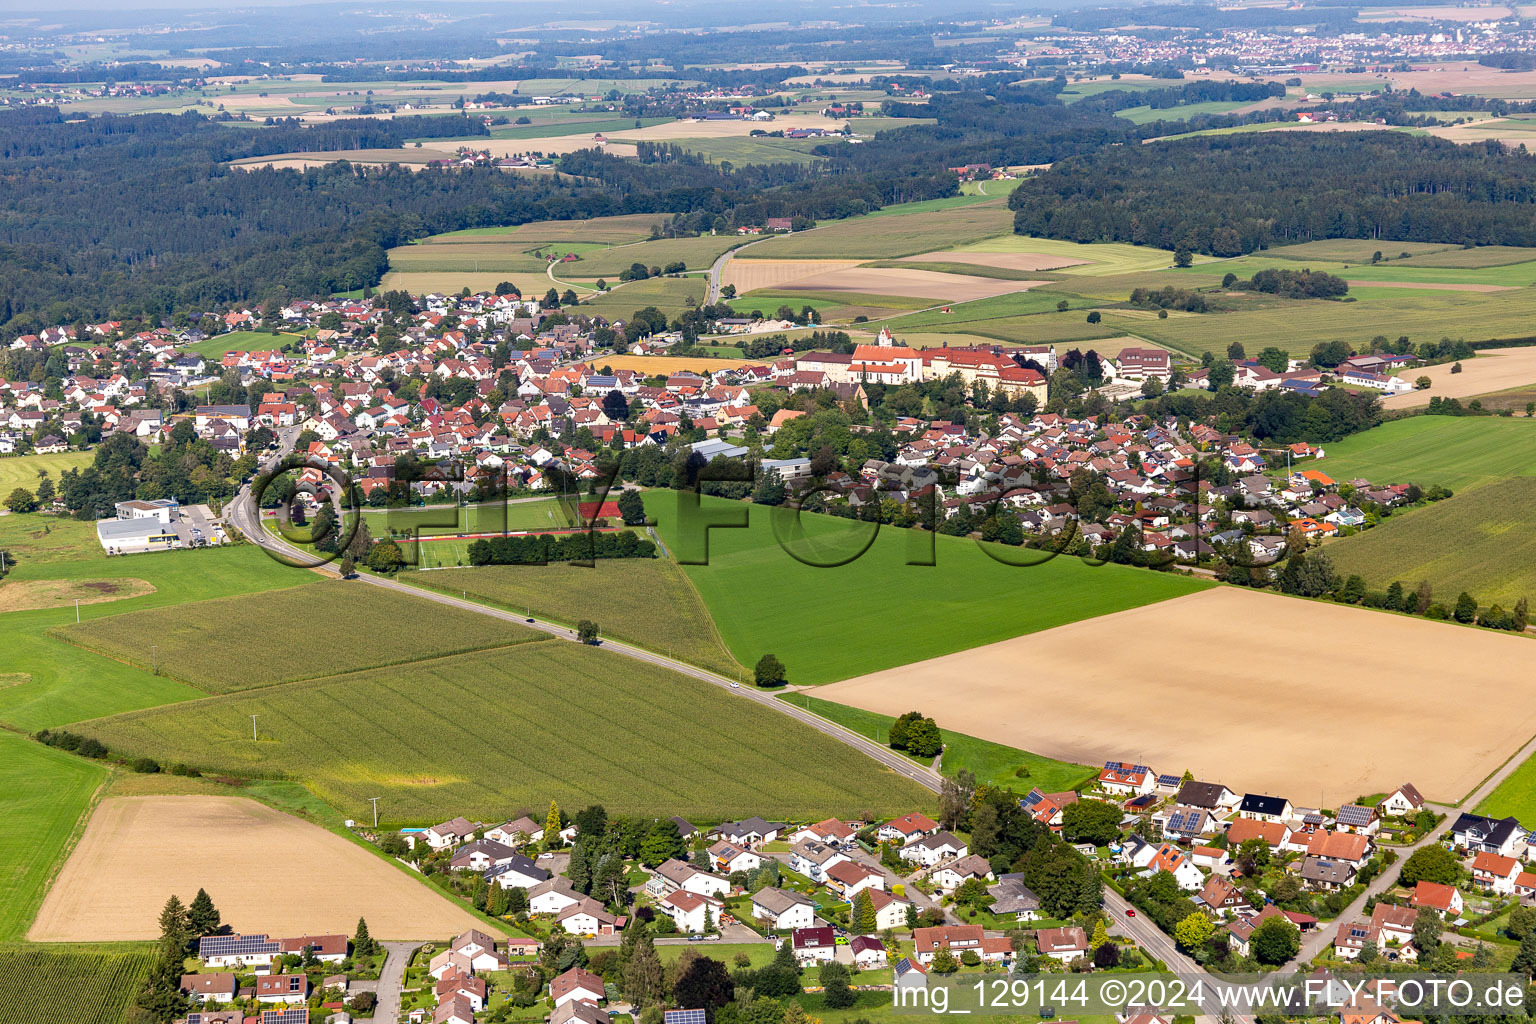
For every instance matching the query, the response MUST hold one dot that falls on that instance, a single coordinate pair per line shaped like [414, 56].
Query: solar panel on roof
[1169, 780]
[684, 1016]
[235, 945]
[1354, 814]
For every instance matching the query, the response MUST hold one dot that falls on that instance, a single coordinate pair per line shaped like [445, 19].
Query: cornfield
[68, 987]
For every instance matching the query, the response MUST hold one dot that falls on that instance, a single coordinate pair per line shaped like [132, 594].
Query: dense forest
[1233, 194]
[144, 214]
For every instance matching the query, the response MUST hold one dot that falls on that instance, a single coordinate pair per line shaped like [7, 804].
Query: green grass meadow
[992, 763]
[877, 611]
[22, 470]
[1515, 796]
[65, 683]
[648, 602]
[47, 792]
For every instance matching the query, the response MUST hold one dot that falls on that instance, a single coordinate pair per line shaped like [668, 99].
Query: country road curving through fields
[244, 515]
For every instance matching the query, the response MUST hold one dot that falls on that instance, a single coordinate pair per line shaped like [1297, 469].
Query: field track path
[242, 514]
[1313, 944]
[391, 978]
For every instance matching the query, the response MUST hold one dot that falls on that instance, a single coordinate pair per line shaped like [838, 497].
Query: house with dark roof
[1478, 834]
[1212, 796]
[1264, 808]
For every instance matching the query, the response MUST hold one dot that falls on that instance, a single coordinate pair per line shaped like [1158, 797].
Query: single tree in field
[1423, 597]
[632, 508]
[1466, 607]
[202, 915]
[552, 827]
[769, 672]
[363, 943]
[586, 631]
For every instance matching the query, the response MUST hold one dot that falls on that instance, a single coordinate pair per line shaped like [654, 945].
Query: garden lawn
[1481, 541]
[1454, 452]
[236, 643]
[46, 793]
[648, 602]
[65, 683]
[991, 763]
[488, 733]
[877, 611]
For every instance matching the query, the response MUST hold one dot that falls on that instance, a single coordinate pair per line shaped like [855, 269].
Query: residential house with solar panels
[1265, 808]
[1127, 779]
[237, 950]
[1361, 820]
[1187, 822]
[909, 973]
[1170, 782]
[217, 1017]
[287, 1015]
[281, 988]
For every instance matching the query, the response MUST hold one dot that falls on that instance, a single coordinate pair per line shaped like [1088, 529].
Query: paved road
[1146, 934]
[247, 518]
[398, 955]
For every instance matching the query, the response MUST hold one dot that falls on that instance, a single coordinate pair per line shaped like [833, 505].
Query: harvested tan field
[1440, 286]
[1493, 13]
[372, 157]
[1174, 685]
[1337, 126]
[1006, 260]
[266, 871]
[899, 281]
[557, 145]
[421, 282]
[25, 595]
[672, 130]
[667, 364]
[1494, 369]
[750, 275]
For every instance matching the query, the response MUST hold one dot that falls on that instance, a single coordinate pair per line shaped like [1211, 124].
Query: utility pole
[253, 728]
[375, 801]
[77, 609]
